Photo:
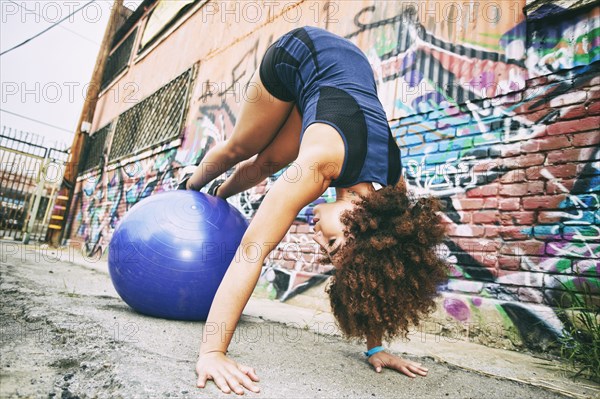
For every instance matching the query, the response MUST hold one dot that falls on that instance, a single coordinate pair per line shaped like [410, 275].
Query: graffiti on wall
[507, 127]
[479, 111]
[108, 192]
[463, 113]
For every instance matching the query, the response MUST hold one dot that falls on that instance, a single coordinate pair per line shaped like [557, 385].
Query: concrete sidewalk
[270, 333]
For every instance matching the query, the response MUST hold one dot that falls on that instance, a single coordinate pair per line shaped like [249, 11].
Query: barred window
[155, 120]
[118, 60]
[95, 148]
[162, 17]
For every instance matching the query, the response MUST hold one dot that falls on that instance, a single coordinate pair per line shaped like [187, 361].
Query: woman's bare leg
[259, 120]
[279, 153]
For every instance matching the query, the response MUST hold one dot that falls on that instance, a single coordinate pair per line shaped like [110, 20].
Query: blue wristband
[374, 350]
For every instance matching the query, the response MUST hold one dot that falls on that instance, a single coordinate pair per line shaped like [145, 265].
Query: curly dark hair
[389, 270]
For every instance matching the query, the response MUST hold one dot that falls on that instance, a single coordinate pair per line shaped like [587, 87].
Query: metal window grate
[118, 60]
[154, 120]
[95, 148]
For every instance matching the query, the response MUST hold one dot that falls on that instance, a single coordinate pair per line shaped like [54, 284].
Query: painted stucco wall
[496, 112]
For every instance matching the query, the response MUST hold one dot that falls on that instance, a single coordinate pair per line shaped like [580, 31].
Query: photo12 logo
[54, 92]
[50, 11]
[267, 11]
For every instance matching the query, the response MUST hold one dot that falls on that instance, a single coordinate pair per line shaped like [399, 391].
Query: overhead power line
[36, 120]
[47, 29]
[60, 26]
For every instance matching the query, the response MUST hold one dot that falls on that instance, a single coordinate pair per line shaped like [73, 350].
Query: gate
[30, 176]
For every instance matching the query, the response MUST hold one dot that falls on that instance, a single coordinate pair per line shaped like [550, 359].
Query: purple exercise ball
[170, 252]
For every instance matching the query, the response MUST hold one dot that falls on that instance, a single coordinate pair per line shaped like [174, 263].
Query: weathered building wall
[496, 112]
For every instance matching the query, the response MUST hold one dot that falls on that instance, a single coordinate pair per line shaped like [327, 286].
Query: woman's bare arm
[289, 194]
[373, 340]
[272, 220]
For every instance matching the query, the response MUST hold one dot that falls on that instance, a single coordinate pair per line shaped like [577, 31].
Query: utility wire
[47, 29]
[60, 26]
[35, 120]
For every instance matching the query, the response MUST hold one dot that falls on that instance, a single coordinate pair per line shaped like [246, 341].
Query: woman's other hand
[383, 359]
[226, 373]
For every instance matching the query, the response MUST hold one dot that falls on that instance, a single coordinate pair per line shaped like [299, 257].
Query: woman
[317, 106]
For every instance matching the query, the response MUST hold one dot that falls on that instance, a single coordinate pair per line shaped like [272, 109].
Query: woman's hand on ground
[227, 374]
[383, 359]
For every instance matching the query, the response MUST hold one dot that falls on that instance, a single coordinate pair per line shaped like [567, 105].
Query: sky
[46, 78]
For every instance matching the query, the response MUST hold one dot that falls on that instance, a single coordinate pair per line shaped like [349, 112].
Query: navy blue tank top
[331, 81]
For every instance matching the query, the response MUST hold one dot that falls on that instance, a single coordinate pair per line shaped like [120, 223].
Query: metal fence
[30, 176]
